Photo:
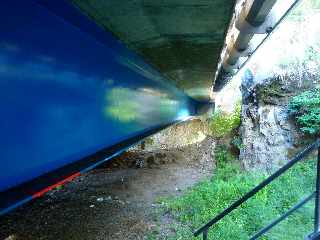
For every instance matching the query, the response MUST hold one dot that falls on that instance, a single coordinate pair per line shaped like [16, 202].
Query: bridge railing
[316, 194]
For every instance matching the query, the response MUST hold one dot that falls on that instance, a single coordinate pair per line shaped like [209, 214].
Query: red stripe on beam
[47, 189]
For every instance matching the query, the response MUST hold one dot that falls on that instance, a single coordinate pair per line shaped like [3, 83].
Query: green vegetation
[269, 93]
[223, 123]
[237, 142]
[306, 110]
[200, 203]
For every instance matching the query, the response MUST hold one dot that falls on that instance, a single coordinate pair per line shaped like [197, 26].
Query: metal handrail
[283, 217]
[316, 145]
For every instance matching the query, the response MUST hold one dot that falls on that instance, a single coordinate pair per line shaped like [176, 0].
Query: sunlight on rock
[11, 237]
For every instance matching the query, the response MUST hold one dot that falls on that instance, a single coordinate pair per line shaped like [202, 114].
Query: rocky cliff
[269, 135]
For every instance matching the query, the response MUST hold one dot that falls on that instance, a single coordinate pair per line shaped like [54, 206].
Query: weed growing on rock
[306, 110]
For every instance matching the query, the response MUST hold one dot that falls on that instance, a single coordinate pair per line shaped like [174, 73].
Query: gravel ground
[115, 201]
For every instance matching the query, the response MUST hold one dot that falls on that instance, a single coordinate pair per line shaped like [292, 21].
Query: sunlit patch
[199, 137]
[183, 115]
[153, 92]
[11, 237]
[121, 104]
[141, 105]
[196, 92]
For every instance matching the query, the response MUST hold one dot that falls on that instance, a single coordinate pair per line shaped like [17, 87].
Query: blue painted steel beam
[71, 96]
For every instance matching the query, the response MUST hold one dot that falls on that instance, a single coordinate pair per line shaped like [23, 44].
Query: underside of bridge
[83, 67]
[181, 38]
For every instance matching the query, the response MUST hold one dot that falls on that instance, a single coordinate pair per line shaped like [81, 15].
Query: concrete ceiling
[181, 38]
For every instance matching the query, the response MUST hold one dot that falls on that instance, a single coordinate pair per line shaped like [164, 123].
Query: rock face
[179, 135]
[189, 140]
[269, 136]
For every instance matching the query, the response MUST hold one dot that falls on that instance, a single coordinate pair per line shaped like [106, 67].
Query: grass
[203, 201]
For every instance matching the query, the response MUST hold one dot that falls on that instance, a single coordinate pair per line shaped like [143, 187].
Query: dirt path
[111, 202]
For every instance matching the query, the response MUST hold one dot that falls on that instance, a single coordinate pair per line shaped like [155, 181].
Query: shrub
[306, 110]
[223, 123]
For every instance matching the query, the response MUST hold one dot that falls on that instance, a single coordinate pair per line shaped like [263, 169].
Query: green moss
[270, 92]
[223, 123]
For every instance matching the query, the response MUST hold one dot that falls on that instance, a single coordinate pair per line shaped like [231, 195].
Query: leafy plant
[306, 110]
[224, 123]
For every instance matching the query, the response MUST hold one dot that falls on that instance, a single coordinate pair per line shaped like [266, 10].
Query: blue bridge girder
[72, 97]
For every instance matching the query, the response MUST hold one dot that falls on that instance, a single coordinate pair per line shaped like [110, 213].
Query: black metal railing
[314, 236]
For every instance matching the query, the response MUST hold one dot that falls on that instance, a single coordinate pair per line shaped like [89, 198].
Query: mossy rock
[272, 93]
